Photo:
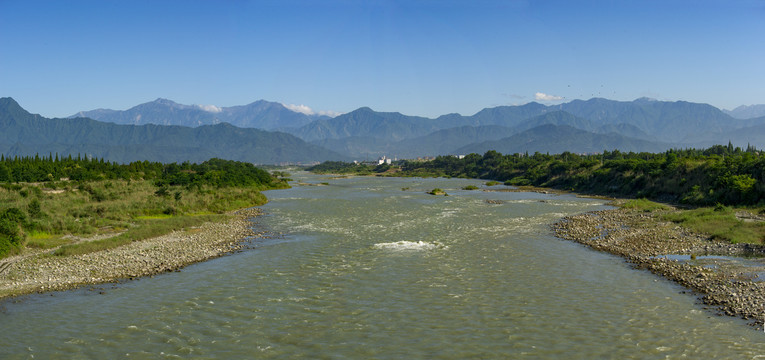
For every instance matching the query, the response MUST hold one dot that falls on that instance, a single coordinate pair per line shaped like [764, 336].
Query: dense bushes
[104, 197]
[214, 172]
[11, 234]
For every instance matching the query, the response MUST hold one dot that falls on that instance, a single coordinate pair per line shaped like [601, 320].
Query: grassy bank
[734, 225]
[114, 212]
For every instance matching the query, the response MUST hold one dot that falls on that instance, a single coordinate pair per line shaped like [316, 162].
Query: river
[375, 268]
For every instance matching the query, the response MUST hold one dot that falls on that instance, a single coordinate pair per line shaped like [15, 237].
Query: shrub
[518, 181]
[437, 191]
[11, 235]
[33, 209]
[14, 215]
[162, 192]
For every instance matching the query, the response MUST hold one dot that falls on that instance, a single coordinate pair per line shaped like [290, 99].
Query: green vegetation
[492, 183]
[719, 174]
[720, 222]
[142, 230]
[470, 187]
[644, 205]
[437, 191]
[132, 201]
[339, 167]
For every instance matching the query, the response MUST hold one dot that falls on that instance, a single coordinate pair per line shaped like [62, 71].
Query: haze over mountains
[268, 132]
[640, 125]
[260, 114]
[747, 112]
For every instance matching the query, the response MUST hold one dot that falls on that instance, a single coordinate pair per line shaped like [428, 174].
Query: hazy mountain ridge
[367, 122]
[260, 114]
[661, 124]
[22, 133]
[641, 124]
[747, 111]
[441, 142]
[560, 138]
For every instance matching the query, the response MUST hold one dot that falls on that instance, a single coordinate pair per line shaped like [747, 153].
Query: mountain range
[268, 132]
[747, 112]
[22, 133]
[365, 133]
[260, 114]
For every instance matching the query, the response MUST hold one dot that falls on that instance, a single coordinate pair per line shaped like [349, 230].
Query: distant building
[384, 160]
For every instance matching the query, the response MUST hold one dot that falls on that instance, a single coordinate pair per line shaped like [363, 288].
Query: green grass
[492, 183]
[644, 205]
[153, 217]
[131, 205]
[721, 223]
[44, 240]
[145, 229]
[470, 187]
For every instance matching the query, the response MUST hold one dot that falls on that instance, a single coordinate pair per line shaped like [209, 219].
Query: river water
[374, 268]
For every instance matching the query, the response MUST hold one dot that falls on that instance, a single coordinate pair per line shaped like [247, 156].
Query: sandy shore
[728, 285]
[43, 272]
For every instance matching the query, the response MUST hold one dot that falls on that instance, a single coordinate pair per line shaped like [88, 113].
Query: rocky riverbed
[44, 272]
[727, 283]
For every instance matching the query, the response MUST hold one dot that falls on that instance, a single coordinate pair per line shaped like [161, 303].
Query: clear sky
[423, 58]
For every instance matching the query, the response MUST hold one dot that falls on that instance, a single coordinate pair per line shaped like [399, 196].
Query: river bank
[43, 272]
[708, 267]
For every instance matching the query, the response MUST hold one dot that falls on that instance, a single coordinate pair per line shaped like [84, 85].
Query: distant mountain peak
[165, 101]
[260, 114]
[747, 112]
[8, 102]
[9, 105]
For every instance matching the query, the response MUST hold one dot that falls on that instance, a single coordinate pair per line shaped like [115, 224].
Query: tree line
[146, 188]
[716, 175]
[214, 172]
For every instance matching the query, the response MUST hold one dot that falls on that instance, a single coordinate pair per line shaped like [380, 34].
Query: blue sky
[423, 58]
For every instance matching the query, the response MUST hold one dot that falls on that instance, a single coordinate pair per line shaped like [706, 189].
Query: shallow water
[365, 269]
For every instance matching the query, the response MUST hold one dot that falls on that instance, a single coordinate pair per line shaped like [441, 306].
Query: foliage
[644, 205]
[150, 228]
[437, 191]
[117, 196]
[11, 234]
[340, 167]
[721, 222]
[470, 187]
[719, 174]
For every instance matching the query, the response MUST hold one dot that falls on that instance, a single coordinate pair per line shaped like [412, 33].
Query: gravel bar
[44, 272]
[644, 239]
